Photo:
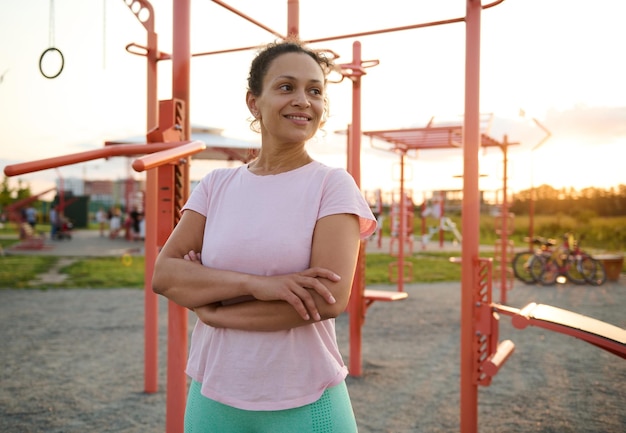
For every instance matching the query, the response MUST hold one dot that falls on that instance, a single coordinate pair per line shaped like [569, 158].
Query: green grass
[17, 271]
[105, 272]
[89, 273]
[425, 267]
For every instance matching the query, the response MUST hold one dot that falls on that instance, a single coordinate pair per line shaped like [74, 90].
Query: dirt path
[72, 361]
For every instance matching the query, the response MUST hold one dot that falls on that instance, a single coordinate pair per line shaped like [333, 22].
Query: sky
[557, 61]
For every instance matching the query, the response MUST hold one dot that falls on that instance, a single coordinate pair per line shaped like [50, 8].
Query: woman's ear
[251, 103]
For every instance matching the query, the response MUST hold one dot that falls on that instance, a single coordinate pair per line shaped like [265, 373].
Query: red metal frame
[12, 209]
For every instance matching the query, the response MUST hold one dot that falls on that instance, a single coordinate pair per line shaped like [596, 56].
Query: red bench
[371, 295]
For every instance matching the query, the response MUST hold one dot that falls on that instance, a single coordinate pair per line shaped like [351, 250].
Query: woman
[279, 243]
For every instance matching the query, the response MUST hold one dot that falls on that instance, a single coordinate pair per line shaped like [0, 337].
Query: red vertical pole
[402, 229]
[356, 306]
[356, 116]
[293, 18]
[504, 237]
[379, 199]
[151, 302]
[471, 211]
[442, 198]
[349, 149]
[177, 315]
[423, 209]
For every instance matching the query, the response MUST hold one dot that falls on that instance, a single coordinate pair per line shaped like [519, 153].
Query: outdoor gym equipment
[490, 354]
[435, 208]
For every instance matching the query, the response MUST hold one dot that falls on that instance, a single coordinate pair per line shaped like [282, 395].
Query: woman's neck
[278, 162]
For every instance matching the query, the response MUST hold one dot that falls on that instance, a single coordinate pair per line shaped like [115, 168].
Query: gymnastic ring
[127, 259]
[51, 50]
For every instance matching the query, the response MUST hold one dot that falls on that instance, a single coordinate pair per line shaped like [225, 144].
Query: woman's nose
[300, 99]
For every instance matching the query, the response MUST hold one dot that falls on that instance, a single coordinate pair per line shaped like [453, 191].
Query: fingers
[312, 282]
[321, 273]
[305, 308]
[303, 301]
[192, 256]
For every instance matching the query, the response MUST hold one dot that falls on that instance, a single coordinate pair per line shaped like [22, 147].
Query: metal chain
[51, 25]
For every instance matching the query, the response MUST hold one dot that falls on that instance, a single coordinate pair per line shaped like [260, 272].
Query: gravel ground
[72, 361]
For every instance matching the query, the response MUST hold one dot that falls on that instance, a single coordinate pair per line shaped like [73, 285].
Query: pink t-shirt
[263, 225]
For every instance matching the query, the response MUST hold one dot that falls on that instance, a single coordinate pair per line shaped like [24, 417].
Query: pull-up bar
[168, 155]
[176, 149]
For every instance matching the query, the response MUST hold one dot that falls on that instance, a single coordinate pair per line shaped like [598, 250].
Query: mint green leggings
[332, 413]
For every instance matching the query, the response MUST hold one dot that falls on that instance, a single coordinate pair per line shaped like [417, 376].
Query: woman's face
[291, 105]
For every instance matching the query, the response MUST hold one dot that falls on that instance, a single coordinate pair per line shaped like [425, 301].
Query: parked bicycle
[566, 262]
[521, 260]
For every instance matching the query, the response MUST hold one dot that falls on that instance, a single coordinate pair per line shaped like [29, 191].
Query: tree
[10, 194]
[23, 190]
[6, 193]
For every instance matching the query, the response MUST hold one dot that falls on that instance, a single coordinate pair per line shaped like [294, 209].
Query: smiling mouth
[304, 118]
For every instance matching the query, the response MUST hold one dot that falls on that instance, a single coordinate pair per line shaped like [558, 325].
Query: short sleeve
[198, 200]
[342, 195]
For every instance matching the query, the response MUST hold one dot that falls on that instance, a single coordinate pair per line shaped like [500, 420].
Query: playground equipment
[29, 239]
[14, 209]
[435, 209]
[401, 215]
[377, 210]
[504, 251]
[402, 204]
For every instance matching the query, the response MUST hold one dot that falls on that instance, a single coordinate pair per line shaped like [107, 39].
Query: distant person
[31, 216]
[54, 221]
[115, 223]
[135, 218]
[265, 254]
[140, 234]
[101, 219]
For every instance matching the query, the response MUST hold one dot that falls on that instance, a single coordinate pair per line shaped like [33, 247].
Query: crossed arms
[272, 302]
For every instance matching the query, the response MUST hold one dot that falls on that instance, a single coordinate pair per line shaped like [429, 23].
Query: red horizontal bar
[75, 158]
[169, 155]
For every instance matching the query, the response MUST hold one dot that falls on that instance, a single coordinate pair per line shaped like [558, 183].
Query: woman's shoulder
[221, 173]
[328, 170]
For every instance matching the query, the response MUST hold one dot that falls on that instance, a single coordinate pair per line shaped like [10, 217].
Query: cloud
[600, 124]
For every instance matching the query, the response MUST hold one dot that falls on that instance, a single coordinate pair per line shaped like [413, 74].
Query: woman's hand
[295, 290]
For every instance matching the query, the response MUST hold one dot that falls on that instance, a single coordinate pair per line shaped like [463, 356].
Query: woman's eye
[285, 87]
[316, 91]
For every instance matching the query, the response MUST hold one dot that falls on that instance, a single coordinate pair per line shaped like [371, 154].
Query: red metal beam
[248, 18]
[167, 156]
[75, 158]
[26, 201]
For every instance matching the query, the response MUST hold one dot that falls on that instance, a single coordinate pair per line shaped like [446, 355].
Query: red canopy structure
[412, 140]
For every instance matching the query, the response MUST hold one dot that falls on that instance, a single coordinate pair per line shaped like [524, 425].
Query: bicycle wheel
[579, 268]
[521, 266]
[598, 277]
[544, 270]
